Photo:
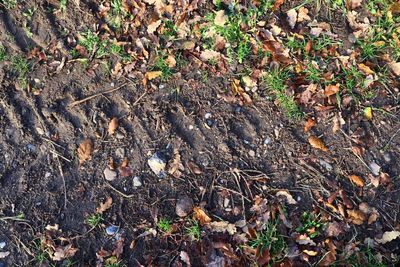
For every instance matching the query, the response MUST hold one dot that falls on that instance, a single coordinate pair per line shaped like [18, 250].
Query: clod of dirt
[137, 182]
[157, 164]
[109, 174]
[184, 206]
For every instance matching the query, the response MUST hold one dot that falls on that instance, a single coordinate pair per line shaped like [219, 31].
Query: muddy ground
[43, 183]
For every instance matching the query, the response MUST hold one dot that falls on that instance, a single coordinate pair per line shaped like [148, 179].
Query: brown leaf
[345, 199]
[373, 217]
[201, 216]
[395, 8]
[113, 125]
[220, 18]
[209, 54]
[331, 90]
[395, 67]
[329, 257]
[152, 27]
[292, 17]
[125, 170]
[353, 4]
[317, 143]
[263, 257]
[150, 75]
[85, 150]
[357, 180]
[303, 14]
[62, 253]
[175, 166]
[105, 205]
[364, 68]
[309, 124]
[310, 252]
[356, 216]
[194, 168]
[119, 248]
[171, 61]
[277, 4]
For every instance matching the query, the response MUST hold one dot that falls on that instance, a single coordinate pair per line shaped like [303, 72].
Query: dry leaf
[220, 18]
[357, 180]
[277, 4]
[209, 54]
[175, 166]
[309, 124]
[105, 205]
[353, 4]
[373, 217]
[222, 226]
[249, 82]
[113, 125]
[364, 68]
[303, 239]
[331, 90]
[185, 258]
[292, 17]
[357, 216]
[303, 14]
[194, 168]
[388, 237]
[288, 196]
[310, 252]
[188, 45]
[201, 216]
[317, 143]
[395, 67]
[152, 27]
[171, 61]
[150, 75]
[345, 199]
[62, 253]
[85, 150]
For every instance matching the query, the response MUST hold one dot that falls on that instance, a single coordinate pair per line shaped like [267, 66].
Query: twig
[119, 192]
[59, 155]
[77, 102]
[13, 218]
[232, 191]
[27, 250]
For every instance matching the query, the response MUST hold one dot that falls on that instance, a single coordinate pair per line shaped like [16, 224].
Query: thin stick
[77, 102]
[119, 192]
[59, 155]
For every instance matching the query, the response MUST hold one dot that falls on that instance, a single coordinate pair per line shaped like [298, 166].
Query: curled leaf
[357, 180]
[105, 205]
[150, 75]
[317, 143]
[85, 150]
[201, 216]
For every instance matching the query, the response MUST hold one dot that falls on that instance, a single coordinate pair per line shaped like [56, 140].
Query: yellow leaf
[310, 252]
[150, 75]
[315, 142]
[395, 67]
[365, 69]
[331, 90]
[357, 180]
[368, 113]
[201, 216]
[357, 216]
[379, 43]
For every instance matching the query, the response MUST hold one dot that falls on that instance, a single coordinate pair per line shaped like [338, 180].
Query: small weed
[29, 13]
[296, 44]
[117, 14]
[353, 78]
[165, 225]
[93, 44]
[275, 82]
[8, 4]
[63, 5]
[162, 65]
[313, 73]
[194, 231]
[311, 224]
[323, 42]
[21, 67]
[170, 29]
[41, 255]
[3, 53]
[270, 239]
[94, 220]
[363, 258]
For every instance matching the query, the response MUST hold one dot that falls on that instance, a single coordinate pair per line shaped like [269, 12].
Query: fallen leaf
[303, 14]
[364, 68]
[368, 113]
[345, 199]
[119, 247]
[388, 237]
[373, 217]
[201, 216]
[277, 4]
[209, 54]
[150, 75]
[329, 257]
[152, 27]
[395, 8]
[188, 45]
[357, 180]
[288, 196]
[303, 239]
[194, 168]
[331, 90]
[85, 150]
[310, 252]
[222, 226]
[309, 124]
[353, 4]
[249, 82]
[175, 166]
[317, 143]
[185, 258]
[220, 18]
[113, 125]
[263, 257]
[62, 253]
[171, 62]
[395, 67]
[292, 17]
[357, 216]
[105, 205]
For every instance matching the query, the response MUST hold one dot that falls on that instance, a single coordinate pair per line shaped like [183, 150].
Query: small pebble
[267, 141]
[375, 168]
[137, 182]
[2, 245]
[157, 164]
[207, 116]
[252, 153]
[119, 136]
[326, 165]
[191, 127]
[109, 174]
[112, 230]
[387, 157]
[120, 152]
[184, 206]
